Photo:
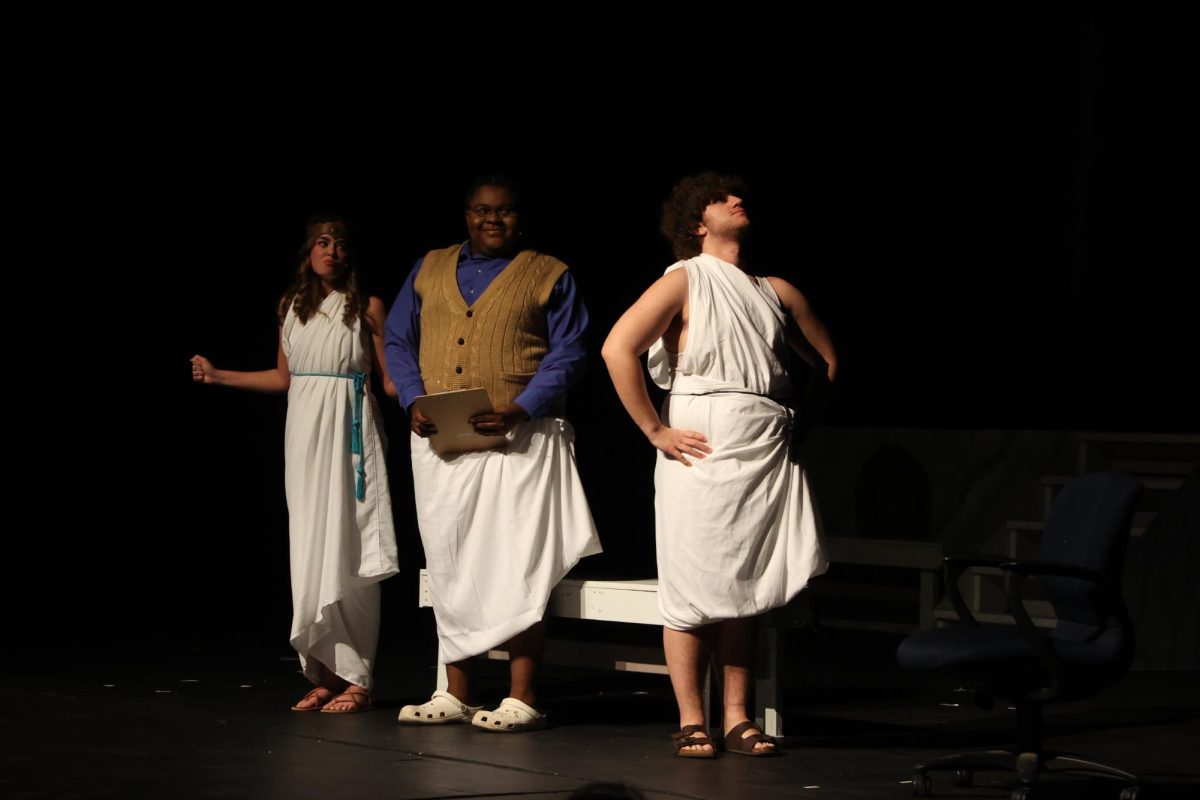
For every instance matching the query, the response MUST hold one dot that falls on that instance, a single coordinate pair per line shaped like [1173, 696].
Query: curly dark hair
[683, 210]
[304, 294]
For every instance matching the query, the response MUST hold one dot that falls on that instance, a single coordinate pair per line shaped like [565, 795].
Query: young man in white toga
[736, 530]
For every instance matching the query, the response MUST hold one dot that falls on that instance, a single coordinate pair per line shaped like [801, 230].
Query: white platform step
[633, 601]
[1159, 484]
[1051, 484]
[1024, 535]
[1137, 438]
[1154, 468]
[883, 552]
[950, 616]
[1136, 453]
[598, 655]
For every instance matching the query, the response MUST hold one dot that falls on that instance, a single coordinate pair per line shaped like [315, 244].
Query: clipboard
[449, 411]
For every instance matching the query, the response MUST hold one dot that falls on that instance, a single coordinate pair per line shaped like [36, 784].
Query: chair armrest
[955, 564]
[1016, 573]
[1054, 569]
[975, 560]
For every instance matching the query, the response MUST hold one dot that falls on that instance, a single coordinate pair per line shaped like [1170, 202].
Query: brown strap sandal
[734, 742]
[315, 692]
[686, 738]
[361, 700]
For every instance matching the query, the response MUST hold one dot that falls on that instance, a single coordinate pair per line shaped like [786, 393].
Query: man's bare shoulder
[791, 297]
[675, 280]
[779, 284]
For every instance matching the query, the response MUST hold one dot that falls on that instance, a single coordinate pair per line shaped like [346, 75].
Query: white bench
[632, 601]
[636, 602]
[923, 558]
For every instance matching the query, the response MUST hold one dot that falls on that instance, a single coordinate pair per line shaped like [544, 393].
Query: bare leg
[458, 681]
[736, 639]
[328, 686]
[687, 660]
[525, 656]
[340, 688]
[354, 622]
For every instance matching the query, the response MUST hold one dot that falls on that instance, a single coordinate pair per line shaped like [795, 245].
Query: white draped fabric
[341, 547]
[500, 528]
[737, 532]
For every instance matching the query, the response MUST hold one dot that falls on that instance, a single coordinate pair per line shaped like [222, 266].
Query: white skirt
[500, 528]
[737, 533]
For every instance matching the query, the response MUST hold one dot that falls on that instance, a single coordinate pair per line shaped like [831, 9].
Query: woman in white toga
[736, 529]
[342, 541]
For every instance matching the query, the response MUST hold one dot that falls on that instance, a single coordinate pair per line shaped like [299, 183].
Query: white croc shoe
[442, 708]
[512, 716]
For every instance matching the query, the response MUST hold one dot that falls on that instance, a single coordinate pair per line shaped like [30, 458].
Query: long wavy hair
[683, 211]
[305, 295]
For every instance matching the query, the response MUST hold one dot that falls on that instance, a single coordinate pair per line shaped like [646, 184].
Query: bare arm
[638, 328]
[267, 380]
[376, 314]
[814, 336]
[808, 337]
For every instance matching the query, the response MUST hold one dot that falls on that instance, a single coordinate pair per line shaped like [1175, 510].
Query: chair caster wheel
[963, 777]
[922, 785]
[1130, 793]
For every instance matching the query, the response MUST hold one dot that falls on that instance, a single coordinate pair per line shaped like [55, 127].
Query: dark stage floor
[213, 722]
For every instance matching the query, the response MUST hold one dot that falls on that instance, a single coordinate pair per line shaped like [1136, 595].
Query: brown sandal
[734, 742]
[314, 692]
[360, 699]
[685, 738]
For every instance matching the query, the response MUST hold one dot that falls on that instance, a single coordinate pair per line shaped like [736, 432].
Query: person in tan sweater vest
[500, 527]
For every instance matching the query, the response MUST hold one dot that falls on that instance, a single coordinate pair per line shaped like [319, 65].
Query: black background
[981, 203]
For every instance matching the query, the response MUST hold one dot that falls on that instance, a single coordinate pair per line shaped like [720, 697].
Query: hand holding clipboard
[451, 413]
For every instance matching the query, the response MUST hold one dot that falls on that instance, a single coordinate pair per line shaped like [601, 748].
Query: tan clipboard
[449, 411]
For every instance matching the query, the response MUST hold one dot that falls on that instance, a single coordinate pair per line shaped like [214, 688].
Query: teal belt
[356, 447]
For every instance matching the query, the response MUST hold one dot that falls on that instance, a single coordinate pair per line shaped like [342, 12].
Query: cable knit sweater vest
[497, 343]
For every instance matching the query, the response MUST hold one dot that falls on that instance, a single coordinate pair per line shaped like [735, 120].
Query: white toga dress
[737, 532]
[341, 547]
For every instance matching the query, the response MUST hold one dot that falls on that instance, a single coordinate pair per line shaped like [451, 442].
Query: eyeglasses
[504, 212]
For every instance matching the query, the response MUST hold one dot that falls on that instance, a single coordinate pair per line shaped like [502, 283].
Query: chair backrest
[1088, 527]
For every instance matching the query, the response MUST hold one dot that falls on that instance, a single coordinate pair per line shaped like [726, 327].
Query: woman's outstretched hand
[202, 370]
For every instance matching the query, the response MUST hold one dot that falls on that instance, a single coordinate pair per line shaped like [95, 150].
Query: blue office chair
[1091, 646]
